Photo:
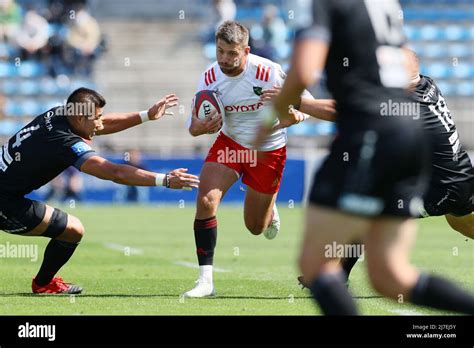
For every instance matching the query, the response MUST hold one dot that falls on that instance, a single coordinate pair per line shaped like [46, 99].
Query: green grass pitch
[138, 260]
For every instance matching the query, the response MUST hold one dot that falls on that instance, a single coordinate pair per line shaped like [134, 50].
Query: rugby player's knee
[255, 227]
[463, 225]
[208, 203]
[74, 231]
[390, 278]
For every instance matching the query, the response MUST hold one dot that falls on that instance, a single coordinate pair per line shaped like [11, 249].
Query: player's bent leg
[215, 180]
[325, 231]
[462, 224]
[65, 233]
[74, 230]
[260, 212]
[388, 246]
[387, 249]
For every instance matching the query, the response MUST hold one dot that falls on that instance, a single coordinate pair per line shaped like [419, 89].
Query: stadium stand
[31, 84]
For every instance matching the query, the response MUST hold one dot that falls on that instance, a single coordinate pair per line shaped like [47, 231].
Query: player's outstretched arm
[307, 64]
[208, 125]
[118, 121]
[323, 109]
[129, 175]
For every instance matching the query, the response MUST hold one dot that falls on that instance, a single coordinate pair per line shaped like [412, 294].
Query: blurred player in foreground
[378, 160]
[48, 145]
[239, 78]
[451, 189]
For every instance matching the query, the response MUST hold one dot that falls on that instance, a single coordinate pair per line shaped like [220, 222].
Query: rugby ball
[205, 102]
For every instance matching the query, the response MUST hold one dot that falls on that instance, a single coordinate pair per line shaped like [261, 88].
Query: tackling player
[48, 145]
[451, 190]
[375, 161]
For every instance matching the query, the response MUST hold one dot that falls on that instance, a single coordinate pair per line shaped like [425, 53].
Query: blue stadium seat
[460, 50]
[56, 29]
[430, 33]
[465, 89]
[312, 129]
[437, 70]
[48, 86]
[9, 127]
[462, 71]
[412, 32]
[434, 51]
[455, 33]
[30, 107]
[31, 69]
[29, 88]
[249, 14]
[10, 87]
[21, 108]
[13, 108]
[418, 48]
[7, 70]
[78, 82]
[7, 50]
[446, 87]
[434, 2]
[436, 14]
[50, 104]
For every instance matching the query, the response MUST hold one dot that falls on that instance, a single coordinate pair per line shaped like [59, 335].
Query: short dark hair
[233, 32]
[86, 95]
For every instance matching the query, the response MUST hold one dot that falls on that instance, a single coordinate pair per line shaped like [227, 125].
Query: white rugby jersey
[240, 96]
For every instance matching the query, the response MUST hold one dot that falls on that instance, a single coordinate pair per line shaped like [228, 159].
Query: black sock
[57, 253]
[205, 236]
[440, 293]
[332, 295]
[347, 263]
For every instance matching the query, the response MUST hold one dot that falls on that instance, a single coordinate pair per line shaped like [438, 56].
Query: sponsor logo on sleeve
[80, 147]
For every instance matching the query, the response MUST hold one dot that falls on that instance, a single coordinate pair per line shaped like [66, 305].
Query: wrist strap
[144, 116]
[159, 179]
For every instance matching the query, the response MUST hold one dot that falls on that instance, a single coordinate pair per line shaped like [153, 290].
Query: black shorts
[374, 173]
[456, 199]
[21, 215]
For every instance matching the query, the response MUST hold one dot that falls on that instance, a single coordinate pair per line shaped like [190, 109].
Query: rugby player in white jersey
[239, 79]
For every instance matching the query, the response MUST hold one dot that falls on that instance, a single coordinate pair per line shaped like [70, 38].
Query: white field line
[195, 265]
[405, 312]
[123, 248]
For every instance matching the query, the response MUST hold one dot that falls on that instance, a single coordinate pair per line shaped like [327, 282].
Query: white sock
[205, 272]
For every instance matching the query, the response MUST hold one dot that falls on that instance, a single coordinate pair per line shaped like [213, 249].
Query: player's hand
[293, 117]
[161, 106]
[209, 125]
[179, 179]
[269, 94]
